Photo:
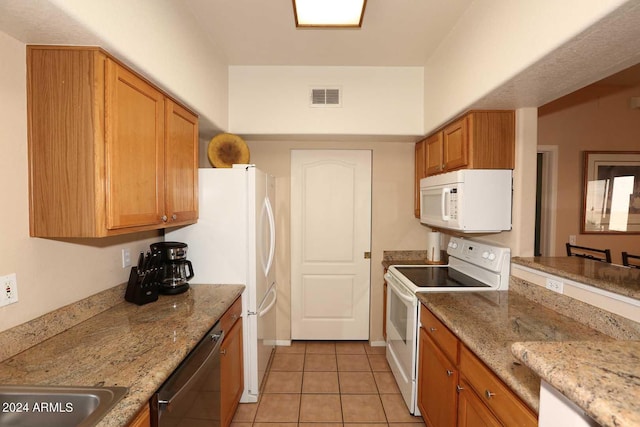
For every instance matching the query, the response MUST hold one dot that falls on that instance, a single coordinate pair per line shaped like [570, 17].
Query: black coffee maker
[176, 269]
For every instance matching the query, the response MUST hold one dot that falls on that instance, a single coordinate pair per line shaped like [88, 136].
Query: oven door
[402, 315]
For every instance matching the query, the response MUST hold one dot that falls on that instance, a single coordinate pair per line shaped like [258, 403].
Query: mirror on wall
[611, 192]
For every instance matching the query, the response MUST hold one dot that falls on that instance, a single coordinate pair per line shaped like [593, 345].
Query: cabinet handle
[174, 217]
[449, 372]
[488, 394]
[432, 329]
[459, 388]
[164, 218]
[223, 351]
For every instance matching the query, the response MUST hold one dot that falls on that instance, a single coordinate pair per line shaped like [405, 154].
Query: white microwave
[468, 200]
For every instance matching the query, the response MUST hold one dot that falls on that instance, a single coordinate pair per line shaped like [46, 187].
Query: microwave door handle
[444, 206]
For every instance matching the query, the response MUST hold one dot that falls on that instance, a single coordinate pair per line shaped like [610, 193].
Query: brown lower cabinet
[472, 412]
[143, 419]
[437, 389]
[231, 372]
[455, 388]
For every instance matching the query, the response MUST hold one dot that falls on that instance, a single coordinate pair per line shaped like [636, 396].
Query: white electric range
[473, 267]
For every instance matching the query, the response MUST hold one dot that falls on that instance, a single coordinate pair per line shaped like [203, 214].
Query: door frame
[548, 188]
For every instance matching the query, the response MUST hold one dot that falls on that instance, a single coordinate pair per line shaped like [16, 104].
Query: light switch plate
[126, 257]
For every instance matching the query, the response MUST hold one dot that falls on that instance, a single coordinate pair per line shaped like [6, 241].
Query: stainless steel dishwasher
[191, 395]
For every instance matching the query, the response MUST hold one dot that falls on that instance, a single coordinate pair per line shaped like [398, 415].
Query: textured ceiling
[609, 47]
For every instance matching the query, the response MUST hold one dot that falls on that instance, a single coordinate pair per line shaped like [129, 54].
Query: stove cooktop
[438, 277]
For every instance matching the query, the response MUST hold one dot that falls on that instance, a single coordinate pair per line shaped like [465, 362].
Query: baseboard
[287, 343]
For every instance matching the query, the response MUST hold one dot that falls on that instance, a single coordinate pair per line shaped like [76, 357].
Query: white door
[330, 233]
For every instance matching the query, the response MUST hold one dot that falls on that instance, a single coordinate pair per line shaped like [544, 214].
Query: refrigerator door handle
[272, 236]
[263, 311]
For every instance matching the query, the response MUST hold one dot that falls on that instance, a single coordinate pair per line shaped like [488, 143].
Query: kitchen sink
[47, 406]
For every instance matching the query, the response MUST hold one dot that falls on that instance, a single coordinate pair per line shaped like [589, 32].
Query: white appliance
[234, 243]
[467, 200]
[473, 266]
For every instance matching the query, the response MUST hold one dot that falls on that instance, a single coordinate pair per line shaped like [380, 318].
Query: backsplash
[601, 320]
[26, 335]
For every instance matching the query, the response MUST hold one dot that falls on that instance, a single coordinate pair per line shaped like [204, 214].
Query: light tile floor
[327, 384]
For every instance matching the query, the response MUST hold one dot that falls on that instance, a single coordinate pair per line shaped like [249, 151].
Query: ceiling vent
[326, 97]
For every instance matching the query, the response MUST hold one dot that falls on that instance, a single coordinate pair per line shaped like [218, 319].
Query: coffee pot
[176, 269]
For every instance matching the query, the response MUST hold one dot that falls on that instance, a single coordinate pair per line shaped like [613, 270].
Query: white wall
[522, 235]
[50, 273]
[393, 226]
[495, 40]
[158, 38]
[596, 118]
[275, 100]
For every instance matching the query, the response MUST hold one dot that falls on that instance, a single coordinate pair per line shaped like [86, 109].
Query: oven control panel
[482, 254]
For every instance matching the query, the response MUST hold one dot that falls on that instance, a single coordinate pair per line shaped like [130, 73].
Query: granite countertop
[488, 323]
[410, 257]
[611, 277]
[604, 380]
[127, 345]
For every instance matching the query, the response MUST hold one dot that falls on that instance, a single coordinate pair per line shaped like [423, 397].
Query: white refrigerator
[233, 242]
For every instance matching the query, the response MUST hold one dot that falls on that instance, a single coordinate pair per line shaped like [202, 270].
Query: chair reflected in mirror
[629, 260]
[603, 255]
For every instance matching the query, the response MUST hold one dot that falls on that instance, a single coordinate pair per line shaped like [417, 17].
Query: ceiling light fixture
[329, 13]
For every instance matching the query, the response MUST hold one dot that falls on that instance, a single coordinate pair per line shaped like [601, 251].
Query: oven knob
[453, 245]
[492, 256]
[485, 254]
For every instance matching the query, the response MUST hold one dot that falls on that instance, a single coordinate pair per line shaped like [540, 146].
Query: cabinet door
[494, 393]
[420, 172]
[134, 150]
[65, 117]
[434, 154]
[143, 419]
[181, 163]
[471, 411]
[231, 373]
[455, 143]
[437, 380]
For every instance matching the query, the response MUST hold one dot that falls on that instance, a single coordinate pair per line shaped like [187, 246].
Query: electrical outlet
[572, 239]
[126, 257]
[555, 285]
[8, 290]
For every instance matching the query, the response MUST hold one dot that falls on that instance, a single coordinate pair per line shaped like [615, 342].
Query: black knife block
[140, 291]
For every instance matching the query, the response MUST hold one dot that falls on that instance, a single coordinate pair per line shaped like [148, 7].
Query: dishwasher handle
[189, 371]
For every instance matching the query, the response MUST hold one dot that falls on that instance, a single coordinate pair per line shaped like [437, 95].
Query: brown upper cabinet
[109, 153]
[477, 140]
[421, 161]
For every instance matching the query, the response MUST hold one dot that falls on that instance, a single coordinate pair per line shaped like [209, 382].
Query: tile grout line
[335, 353]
